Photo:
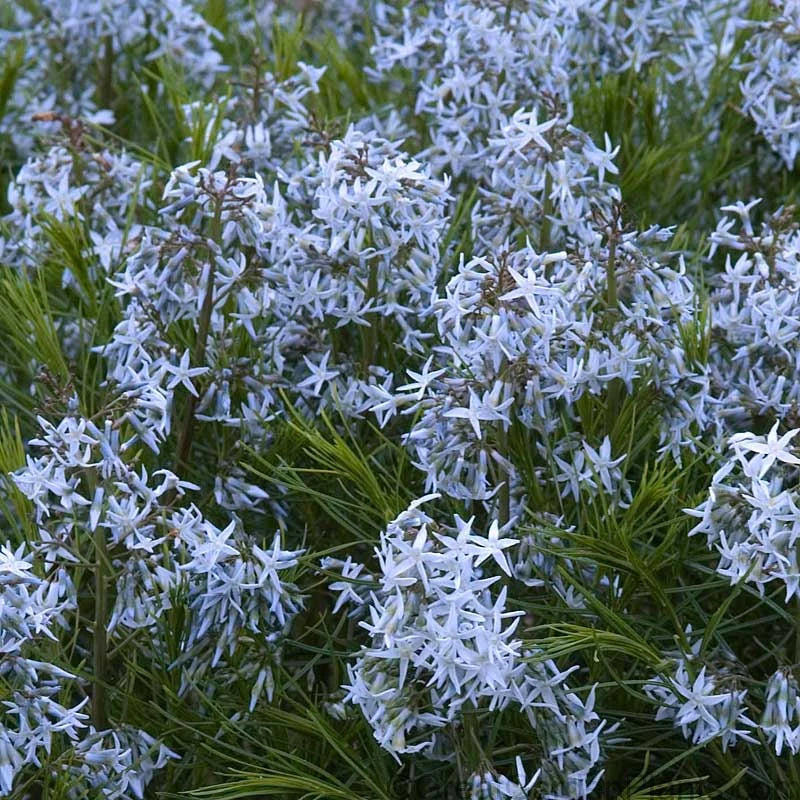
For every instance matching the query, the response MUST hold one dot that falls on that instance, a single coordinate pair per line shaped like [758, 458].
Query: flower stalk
[100, 644]
[201, 342]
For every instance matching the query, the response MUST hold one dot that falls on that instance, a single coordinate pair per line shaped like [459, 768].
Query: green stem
[797, 633]
[100, 635]
[547, 210]
[612, 303]
[106, 84]
[199, 352]
[371, 333]
[507, 15]
[614, 396]
[611, 272]
[504, 495]
[729, 768]
[187, 429]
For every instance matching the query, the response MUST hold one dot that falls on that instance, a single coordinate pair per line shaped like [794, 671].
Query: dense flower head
[60, 43]
[705, 705]
[751, 516]
[32, 611]
[478, 64]
[771, 78]
[522, 336]
[73, 183]
[441, 641]
[781, 709]
[754, 308]
[81, 483]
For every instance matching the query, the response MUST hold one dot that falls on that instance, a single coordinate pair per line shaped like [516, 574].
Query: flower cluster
[160, 553]
[522, 337]
[477, 64]
[441, 642]
[32, 609]
[705, 705]
[118, 763]
[67, 38]
[488, 786]
[709, 702]
[753, 309]
[751, 516]
[781, 709]
[78, 185]
[771, 79]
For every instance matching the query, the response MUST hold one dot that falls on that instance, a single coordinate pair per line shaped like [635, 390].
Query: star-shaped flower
[182, 374]
[774, 449]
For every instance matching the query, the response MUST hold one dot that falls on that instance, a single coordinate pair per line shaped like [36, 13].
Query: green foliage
[360, 491]
[28, 325]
